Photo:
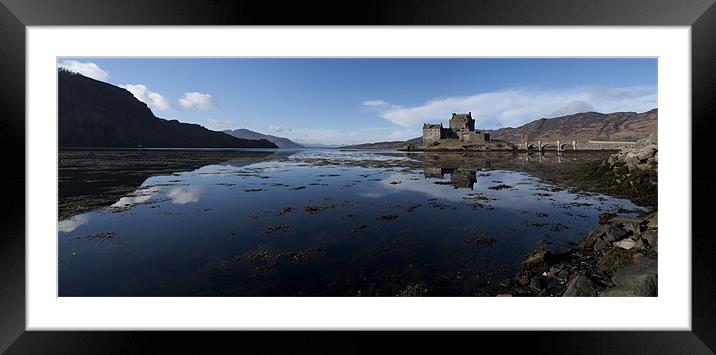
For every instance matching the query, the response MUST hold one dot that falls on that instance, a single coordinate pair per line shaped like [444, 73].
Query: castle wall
[431, 135]
[448, 133]
[474, 137]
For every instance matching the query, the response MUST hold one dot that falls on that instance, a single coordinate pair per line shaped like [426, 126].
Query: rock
[652, 238]
[592, 236]
[579, 286]
[535, 259]
[629, 243]
[631, 162]
[562, 251]
[629, 224]
[644, 166]
[504, 295]
[646, 152]
[563, 275]
[652, 221]
[614, 259]
[605, 217]
[615, 233]
[600, 244]
[635, 280]
[523, 280]
[536, 285]
[650, 139]
[637, 257]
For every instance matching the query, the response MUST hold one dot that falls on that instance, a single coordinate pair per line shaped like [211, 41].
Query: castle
[462, 128]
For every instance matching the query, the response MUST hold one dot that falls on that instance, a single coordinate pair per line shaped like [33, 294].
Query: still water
[327, 223]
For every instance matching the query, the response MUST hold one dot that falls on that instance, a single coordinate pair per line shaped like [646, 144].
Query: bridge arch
[568, 146]
[547, 145]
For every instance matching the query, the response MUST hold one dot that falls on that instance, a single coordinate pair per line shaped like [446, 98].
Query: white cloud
[87, 69]
[279, 128]
[515, 107]
[151, 98]
[197, 100]
[572, 108]
[376, 104]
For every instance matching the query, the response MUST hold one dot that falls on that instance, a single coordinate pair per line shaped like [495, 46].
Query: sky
[336, 101]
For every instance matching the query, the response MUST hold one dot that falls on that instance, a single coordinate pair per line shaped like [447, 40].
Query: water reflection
[139, 196]
[70, 224]
[322, 223]
[185, 194]
[459, 178]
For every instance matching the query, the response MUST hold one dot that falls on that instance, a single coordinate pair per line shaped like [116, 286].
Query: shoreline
[617, 259]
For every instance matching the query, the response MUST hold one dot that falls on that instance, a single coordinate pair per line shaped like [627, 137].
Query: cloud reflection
[140, 196]
[185, 194]
[70, 224]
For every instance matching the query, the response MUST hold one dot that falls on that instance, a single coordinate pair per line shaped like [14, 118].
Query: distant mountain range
[249, 134]
[384, 145]
[585, 126]
[92, 113]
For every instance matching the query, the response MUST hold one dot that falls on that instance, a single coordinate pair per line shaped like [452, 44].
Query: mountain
[92, 113]
[249, 134]
[585, 126]
[385, 145]
[319, 145]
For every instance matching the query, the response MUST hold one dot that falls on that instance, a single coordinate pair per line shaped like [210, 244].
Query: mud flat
[95, 178]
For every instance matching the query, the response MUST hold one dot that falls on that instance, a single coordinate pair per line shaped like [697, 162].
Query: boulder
[614, 259]
[536, 285]
[629, 243]
[652, 238]
[631, 162]
[600, 244]
[646, 152]
[592, 236]
[635, 280]
[614, 233]
[579, 286]
[629, 224]
[536, 258]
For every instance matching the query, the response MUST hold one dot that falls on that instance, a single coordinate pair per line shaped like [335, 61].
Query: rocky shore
[632, 172]
[619, 258]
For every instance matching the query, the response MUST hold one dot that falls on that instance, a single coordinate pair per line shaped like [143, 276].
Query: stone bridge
[561, 146]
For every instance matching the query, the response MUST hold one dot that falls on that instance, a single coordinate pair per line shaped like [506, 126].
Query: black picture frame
[16, 15]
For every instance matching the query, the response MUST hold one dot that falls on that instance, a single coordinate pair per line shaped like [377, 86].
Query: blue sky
[356, 100]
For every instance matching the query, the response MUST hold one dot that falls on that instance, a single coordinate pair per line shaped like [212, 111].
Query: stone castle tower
[462, 128]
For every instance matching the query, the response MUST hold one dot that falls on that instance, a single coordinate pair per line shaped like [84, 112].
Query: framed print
[464, 167]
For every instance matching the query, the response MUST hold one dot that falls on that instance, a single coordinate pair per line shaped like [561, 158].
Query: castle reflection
[459, 177]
